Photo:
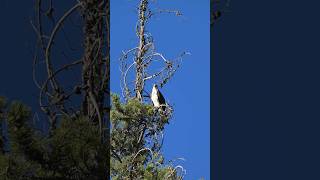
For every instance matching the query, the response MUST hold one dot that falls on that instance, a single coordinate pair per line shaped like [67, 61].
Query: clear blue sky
[188, 134]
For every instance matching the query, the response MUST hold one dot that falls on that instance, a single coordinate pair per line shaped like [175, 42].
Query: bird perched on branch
[157, 98]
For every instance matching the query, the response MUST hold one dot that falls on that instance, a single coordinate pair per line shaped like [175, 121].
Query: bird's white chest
[154, 98]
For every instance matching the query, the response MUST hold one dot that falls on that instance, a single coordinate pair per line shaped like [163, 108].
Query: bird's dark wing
[161, 98]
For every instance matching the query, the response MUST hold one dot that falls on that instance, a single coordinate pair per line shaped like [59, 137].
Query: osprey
[157, 98]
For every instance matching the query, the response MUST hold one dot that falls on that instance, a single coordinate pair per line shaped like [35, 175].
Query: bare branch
[44, 86]
[49, 45]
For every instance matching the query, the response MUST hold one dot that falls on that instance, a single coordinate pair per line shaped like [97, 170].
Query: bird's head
[155, 86]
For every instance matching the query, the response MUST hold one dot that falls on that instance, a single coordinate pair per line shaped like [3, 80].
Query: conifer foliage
[74, 151]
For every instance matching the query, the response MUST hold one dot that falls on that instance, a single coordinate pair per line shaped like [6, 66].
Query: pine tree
[76, 145]
[137, 127]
